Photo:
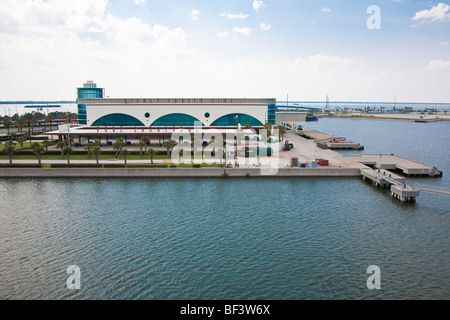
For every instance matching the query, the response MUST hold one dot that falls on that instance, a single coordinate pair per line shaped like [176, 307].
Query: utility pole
[68, 130]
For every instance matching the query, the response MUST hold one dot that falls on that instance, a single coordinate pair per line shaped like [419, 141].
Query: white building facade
[94, 110]
[177, 112]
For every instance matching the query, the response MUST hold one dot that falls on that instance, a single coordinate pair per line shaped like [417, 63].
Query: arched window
[230, 120]
[118, 119]
[177, 119]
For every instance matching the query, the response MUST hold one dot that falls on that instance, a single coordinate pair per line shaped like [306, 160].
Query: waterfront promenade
[280, 164]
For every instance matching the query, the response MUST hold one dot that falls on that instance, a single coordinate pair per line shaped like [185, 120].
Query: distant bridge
[446, 193]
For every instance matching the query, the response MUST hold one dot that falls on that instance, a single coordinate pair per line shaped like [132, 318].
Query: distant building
[290, 116]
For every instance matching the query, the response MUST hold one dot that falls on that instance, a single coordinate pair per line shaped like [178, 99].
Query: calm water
[233, 239]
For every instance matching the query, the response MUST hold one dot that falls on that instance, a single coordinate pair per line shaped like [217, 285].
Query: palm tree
[61, 145]
[88, 148]
[141, 145]
[96, 150]
[118, 145]
[29, 120]
[7, 123]
[21, 140]
[268, 127]
[38, 150]
[281, 131]
[145, 140]
[169, 144]
[68, 150]
[125, 152]
[72, 139]
[46, 144]
[49, 119]
[20, 124]
[9, 150]
[247, 125]
[73, 116]
[151, 152]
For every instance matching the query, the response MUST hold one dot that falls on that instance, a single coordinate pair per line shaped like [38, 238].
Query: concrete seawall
[175, 172]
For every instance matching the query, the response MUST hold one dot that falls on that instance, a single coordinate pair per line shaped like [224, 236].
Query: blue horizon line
[290, 102]
[365, 102]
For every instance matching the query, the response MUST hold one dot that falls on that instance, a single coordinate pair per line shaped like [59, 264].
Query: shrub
[147, 166]
[75, 165]
[20, 165]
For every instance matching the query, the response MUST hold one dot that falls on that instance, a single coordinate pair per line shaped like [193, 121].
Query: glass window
[232, 120]
[118, 119]
[177, 119]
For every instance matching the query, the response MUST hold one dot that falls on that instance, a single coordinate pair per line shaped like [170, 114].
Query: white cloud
[43, 16]
[326, 9]
[234, 16]
[443, 43]
[244, 31]
[437, 66]
[258, 4]
[68, 41]
[323, 61]
[139, 1]
[265, 27]
[223, 34]
[195, 14]
[438, 13]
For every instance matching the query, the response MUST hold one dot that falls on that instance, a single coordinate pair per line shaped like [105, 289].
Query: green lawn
[17, 145]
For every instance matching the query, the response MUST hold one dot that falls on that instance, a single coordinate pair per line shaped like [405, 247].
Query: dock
[385, 179]
[383, 170]
[326, 141]
[396, 163]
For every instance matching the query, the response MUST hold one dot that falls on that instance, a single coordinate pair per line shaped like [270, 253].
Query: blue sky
[233, 48]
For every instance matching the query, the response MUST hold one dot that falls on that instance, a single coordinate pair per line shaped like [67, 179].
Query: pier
[326, 141]
[385, 179]
[396, 163]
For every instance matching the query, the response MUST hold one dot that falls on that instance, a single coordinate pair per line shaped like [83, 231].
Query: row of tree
[91, 148]
[30, 120]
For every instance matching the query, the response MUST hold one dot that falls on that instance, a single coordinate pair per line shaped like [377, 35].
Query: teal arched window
[118, 119]
[230, 120]
[177, 119]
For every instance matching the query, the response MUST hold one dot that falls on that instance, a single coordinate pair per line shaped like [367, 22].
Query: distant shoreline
[37, 102]
[354, 117]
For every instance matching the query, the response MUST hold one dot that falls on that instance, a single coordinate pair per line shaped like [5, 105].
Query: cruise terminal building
[134, 117]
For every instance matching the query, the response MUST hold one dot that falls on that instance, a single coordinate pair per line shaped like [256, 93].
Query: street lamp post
[379, 168]
[68, 131]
